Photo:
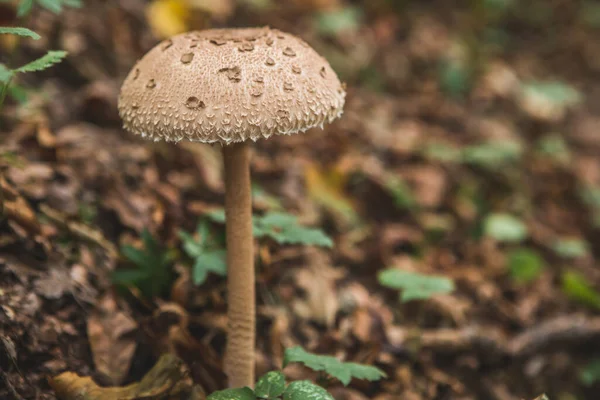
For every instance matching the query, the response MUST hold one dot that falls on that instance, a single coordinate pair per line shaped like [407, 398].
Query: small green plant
[343, 371]
[338, 20]
[414, 286]
[525, 265]
[591, 197]
[272, 385]
[455, 78]
[56, 6]
[505, 228]
[401, 192]
[491, 155]
[208, 256]
[8, 74]
[577, 287]
[554, 147]
[153, 275]
[590, 374]
[281, 227]
[571, 248]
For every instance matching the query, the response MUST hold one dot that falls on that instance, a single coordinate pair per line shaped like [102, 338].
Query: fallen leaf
[168, 17]
[168, 379]
[112, 346]
[57, 283]
[326, 187]
[321, 303]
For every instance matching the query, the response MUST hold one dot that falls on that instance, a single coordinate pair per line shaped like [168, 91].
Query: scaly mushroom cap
[229, 85]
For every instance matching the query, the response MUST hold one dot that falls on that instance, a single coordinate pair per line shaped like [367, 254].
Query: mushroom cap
[229, 85]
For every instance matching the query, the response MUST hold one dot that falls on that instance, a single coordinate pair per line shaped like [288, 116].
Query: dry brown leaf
[168, 379]
[209, 162]
[318, 280]
[54, 285]
[112, 346]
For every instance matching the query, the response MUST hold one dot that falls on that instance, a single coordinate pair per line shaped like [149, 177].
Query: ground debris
[168, 379]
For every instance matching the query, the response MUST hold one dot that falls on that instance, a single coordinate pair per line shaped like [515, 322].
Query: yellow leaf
[168, 17]
[327, 189]
[219, 9]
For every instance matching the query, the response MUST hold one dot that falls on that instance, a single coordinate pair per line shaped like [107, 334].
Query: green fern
[343, 371]
[414, 286]
[153, 275]
[5, 74]
[44, 62]
[207, 255]
[281, 227]
[272, 386]
[19, 31]
[55, 6]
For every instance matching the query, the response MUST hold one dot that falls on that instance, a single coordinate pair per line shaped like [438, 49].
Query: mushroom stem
[241, 325]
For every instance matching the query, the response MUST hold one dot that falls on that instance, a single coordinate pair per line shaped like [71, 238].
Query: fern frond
[46, 61]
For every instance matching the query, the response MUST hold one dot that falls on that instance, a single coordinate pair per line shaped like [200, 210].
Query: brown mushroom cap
[229, 85]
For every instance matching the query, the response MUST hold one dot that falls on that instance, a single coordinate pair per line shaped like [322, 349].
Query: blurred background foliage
[464, 177]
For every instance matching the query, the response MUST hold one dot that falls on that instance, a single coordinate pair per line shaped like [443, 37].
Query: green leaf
[153, 275]
[52, 5]
[343, 371]
[339, 20]
[18, 93]
[590, 373]
[24, 32]
[553, 93]
[284, 229]
[590, 14]
[571, 248]
[44, 62]
[271, 385]
[525, 265]
[217, 216]
[5, 73]
[207, 257]
[129, 276]
[73, 3]
[414, 286]
[493, 154]
[134, 255]
[591, 196]
[505, 228]
[233, 394]
[24, 7]
[555, 147]
[442, 152]
[577, 287]
[498, 5]
[209, 261]
[401, 192]
[455, 78]
[306, 390]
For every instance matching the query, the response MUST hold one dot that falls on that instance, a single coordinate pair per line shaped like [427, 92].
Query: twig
[80, 230]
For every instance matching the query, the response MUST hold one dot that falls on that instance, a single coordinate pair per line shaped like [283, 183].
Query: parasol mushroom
[230, 86]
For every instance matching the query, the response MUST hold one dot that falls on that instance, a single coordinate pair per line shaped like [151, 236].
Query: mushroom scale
[229, 85]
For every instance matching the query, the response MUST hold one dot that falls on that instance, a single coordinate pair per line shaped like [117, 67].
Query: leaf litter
[408, 180]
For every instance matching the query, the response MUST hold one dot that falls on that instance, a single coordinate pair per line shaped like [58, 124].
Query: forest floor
[469, 149]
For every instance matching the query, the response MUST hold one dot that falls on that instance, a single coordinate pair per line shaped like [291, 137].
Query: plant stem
[4, 91]
[239, 353]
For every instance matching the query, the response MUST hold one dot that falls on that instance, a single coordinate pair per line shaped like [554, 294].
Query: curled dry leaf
[168, 379]
[112, 345]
